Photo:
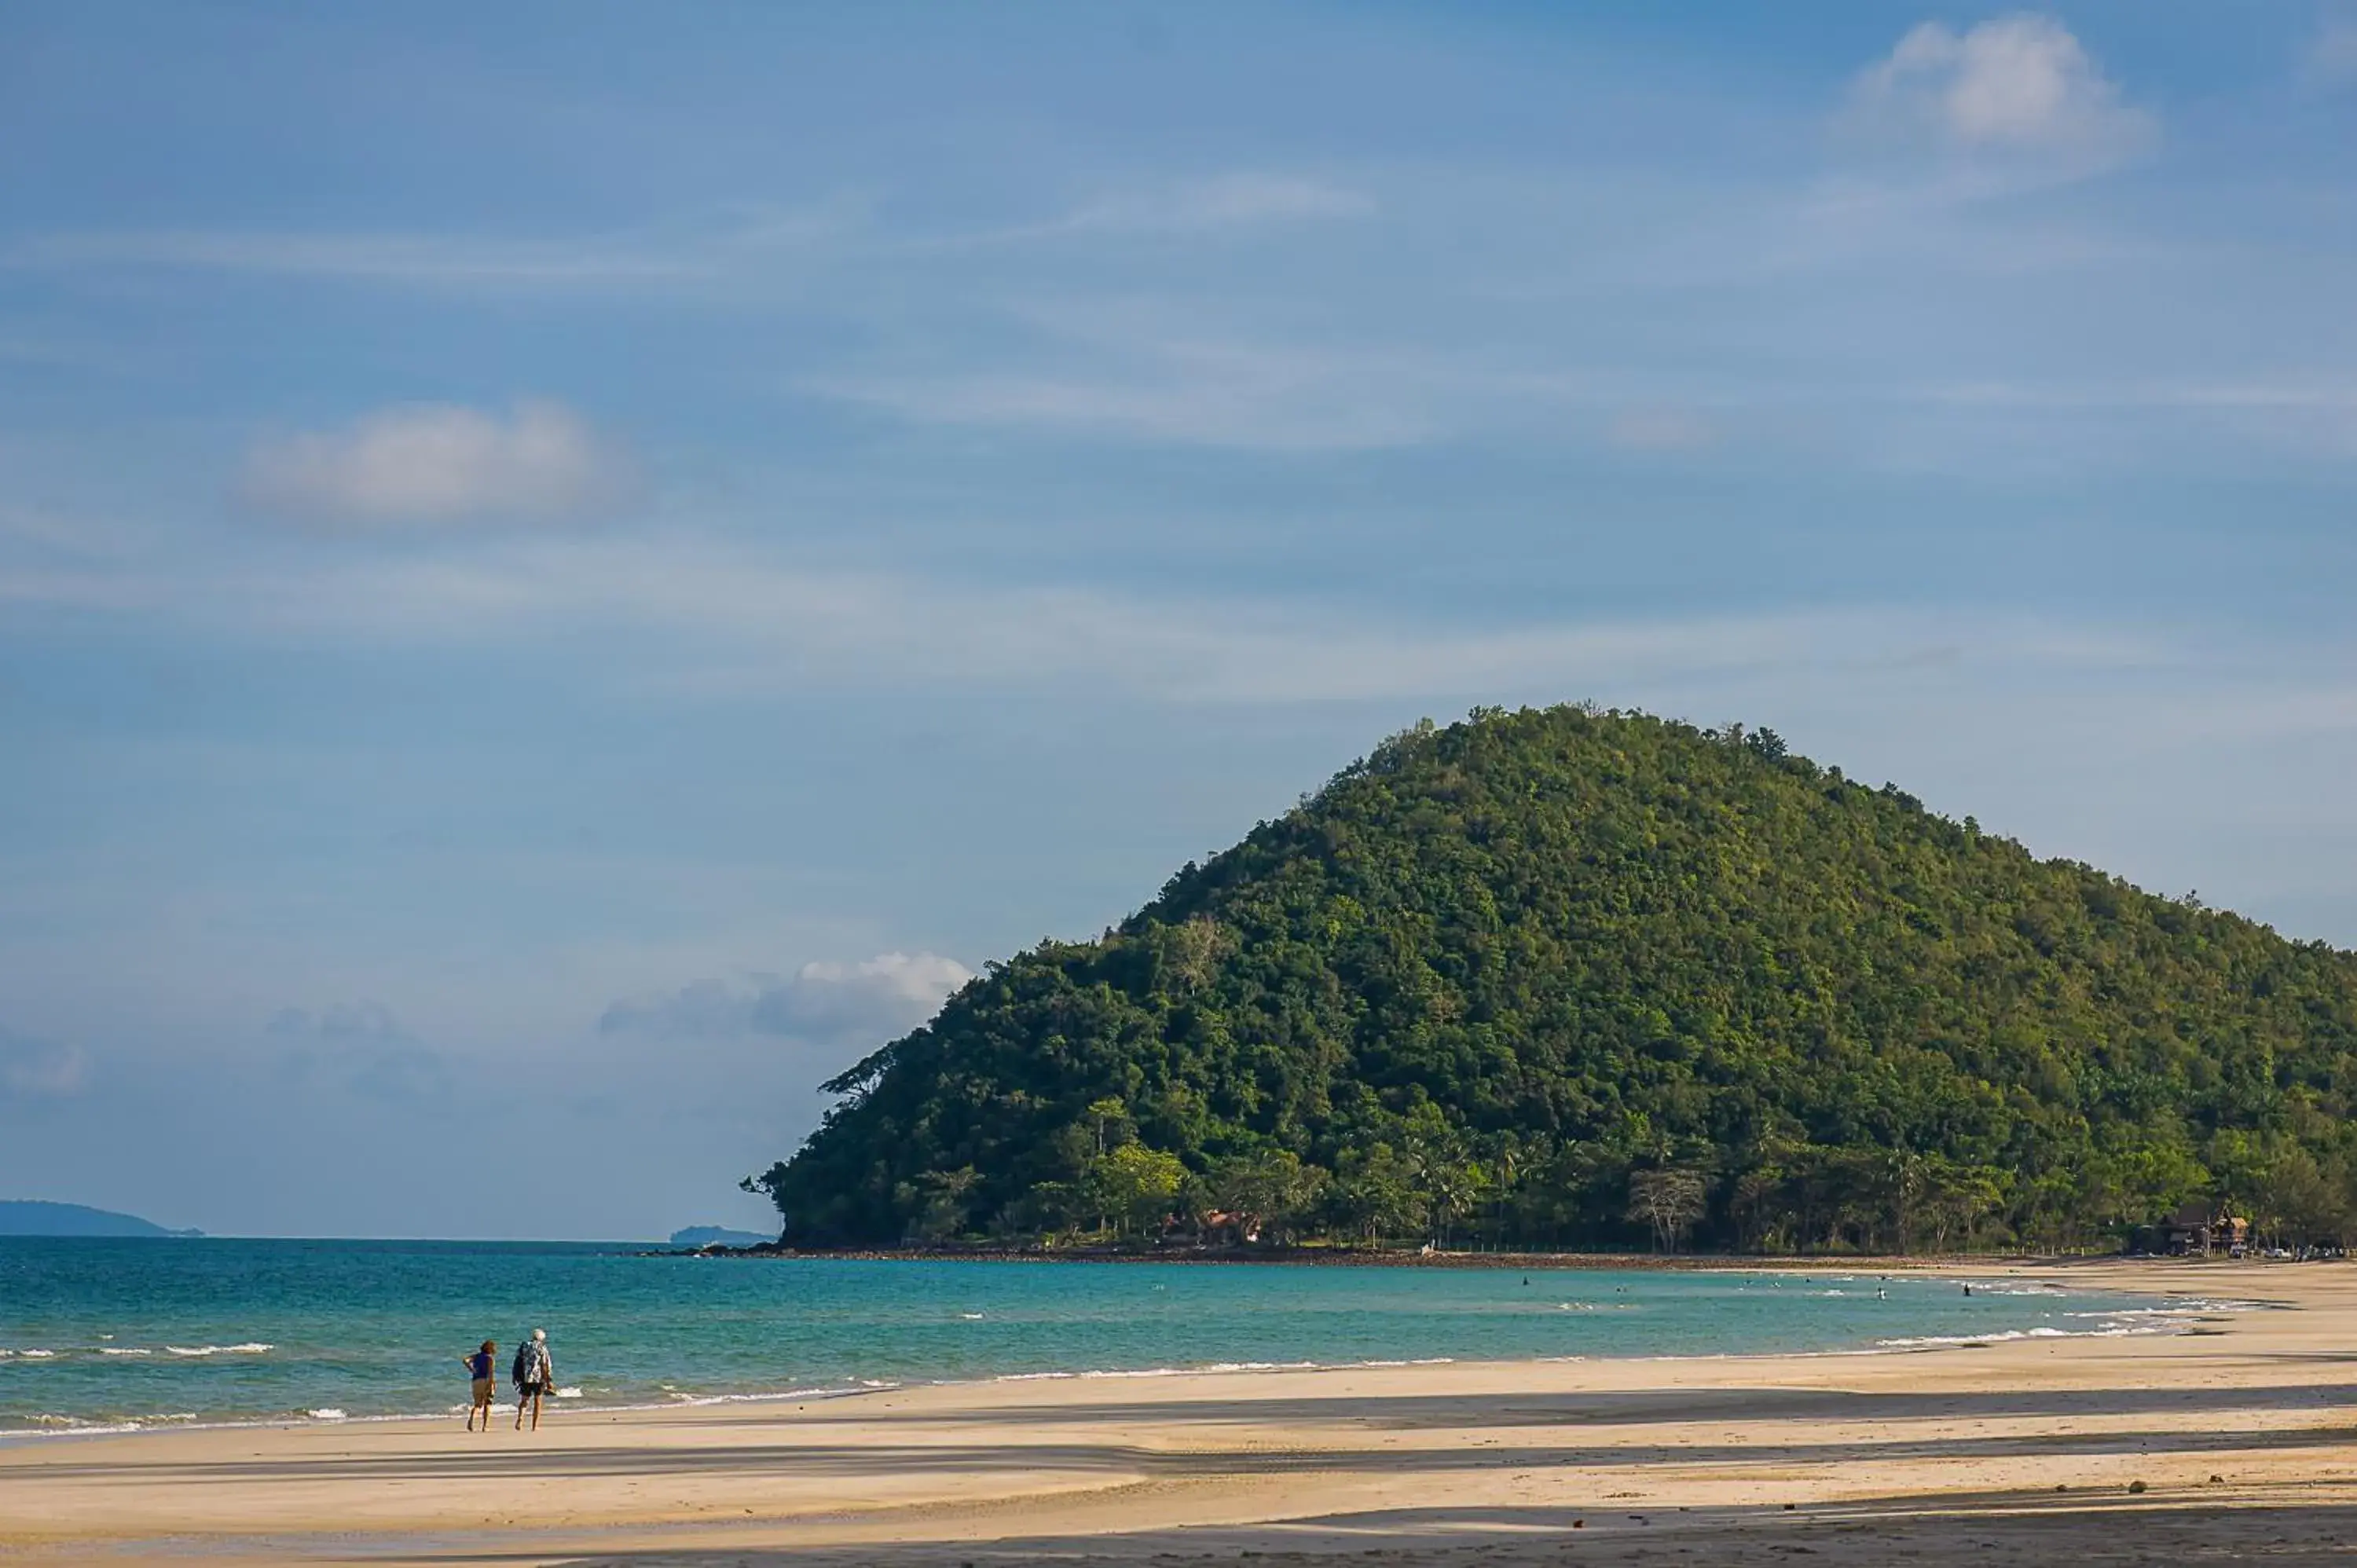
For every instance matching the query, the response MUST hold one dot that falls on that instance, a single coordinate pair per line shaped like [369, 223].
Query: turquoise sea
[99, 1334]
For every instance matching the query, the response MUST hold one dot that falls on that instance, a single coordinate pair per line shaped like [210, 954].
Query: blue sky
[565, 569]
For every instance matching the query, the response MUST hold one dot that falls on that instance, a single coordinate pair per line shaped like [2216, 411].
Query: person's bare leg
[536, 1410]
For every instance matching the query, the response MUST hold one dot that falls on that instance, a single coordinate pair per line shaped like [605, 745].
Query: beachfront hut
[2197, 1229]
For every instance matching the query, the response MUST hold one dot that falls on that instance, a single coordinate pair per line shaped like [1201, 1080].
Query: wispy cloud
[40, 1069]
[363, 1047]
[2015, 87]
[1258, 403]
[2313, 417]
[342, 1022]
[735, 620]
[692, 250]
[1161, 373]
[436, 464]
[375, 258]
[1225, 201]
[2330, 63]
[1661, 430]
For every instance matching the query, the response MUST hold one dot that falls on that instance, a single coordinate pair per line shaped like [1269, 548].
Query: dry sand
[2017, 1453]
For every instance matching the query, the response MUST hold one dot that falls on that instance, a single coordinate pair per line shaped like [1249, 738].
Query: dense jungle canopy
[1576, 978]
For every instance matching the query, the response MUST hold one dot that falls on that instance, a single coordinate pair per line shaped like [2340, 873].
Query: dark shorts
[531, 1391]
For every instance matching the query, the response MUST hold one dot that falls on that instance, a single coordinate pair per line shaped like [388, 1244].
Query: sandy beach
[2224, 1443]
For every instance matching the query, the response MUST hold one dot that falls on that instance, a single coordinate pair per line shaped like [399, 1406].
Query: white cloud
[2019, 86]
[437, 464]
[872, 999]
[884, 995]
[40, 1069]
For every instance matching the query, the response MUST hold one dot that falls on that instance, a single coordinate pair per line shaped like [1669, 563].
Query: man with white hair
[534, 1374]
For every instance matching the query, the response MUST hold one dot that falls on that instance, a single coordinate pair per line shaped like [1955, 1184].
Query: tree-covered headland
[1574, 978]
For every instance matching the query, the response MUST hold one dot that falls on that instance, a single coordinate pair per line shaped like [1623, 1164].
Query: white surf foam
[2006, 1336]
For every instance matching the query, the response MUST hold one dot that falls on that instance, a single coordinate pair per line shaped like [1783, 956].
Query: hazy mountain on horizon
[718, 1236]
[36, 1217]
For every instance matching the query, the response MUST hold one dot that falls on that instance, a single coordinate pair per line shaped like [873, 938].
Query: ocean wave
[2219, 1304]
[74, 1426]
[1212, 1367]
[699, 1400]
[138, 1352]
[2008, 1335]
[326, 1413]
[568, 1393]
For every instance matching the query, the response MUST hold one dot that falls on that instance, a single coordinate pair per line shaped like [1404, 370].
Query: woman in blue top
[478, 1368]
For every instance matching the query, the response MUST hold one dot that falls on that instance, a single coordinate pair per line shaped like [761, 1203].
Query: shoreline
[2149, 1302]
[1489, 1462]
[1414, 1258]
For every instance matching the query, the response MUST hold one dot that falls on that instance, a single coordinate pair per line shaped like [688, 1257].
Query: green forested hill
[1576, 978]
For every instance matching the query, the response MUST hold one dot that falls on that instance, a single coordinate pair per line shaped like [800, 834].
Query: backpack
[527, 1365]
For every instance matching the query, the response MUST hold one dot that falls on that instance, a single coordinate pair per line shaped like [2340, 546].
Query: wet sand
[2019, 1452]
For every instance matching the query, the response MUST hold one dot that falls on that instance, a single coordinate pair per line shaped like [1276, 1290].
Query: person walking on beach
[478, 1368]
[534, 1374]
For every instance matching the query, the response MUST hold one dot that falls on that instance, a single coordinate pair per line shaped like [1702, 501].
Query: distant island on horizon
[1572, 979]
[36, 1217]
[719, 1236]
